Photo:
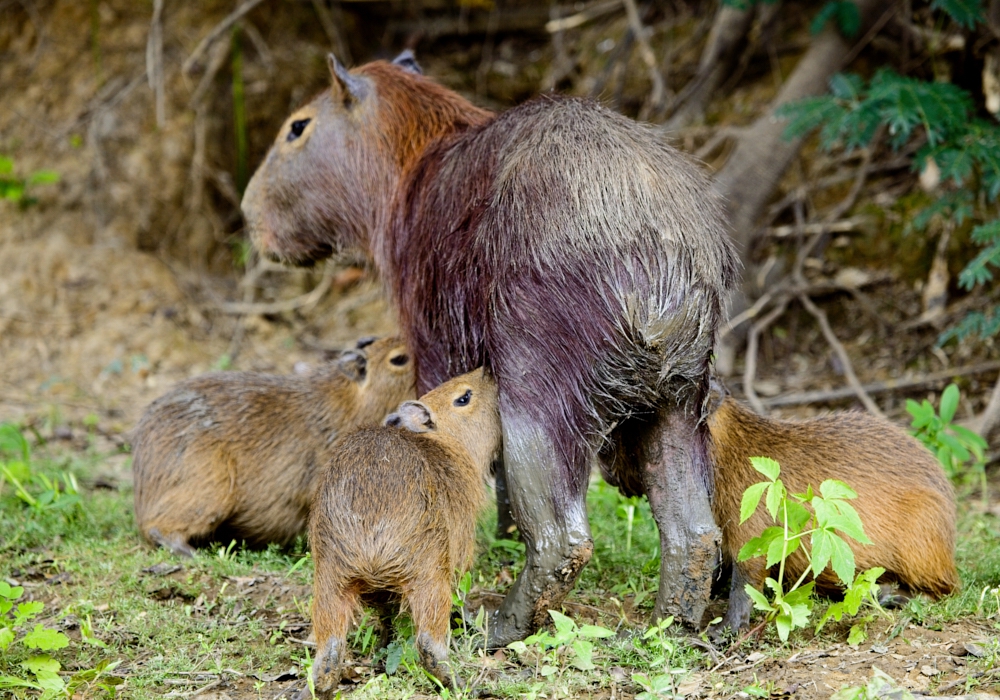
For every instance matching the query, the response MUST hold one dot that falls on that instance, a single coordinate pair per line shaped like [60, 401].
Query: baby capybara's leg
[333, 610]
[430, 607]
[676, 476]
[740, 604]
[553, 523]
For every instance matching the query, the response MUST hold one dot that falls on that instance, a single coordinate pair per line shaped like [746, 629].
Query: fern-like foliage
[966, 150]
[843, 12]
[851, 114]
[967, 13]
[983, 324]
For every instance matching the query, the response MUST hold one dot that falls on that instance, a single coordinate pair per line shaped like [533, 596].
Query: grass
[238, 618]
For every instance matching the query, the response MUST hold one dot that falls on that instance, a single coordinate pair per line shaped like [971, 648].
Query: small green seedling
[810, 523]
[960, 451]
[549, 650]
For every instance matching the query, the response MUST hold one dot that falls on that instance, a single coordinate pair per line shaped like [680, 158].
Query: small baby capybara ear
[413, 416]
[408, 62]
[365, 342]
[351, 88]
[717, 393]
[353, 364]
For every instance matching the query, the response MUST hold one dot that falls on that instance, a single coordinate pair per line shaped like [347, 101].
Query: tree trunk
[762, 154]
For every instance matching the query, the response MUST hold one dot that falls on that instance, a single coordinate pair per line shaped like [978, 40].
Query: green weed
[962, 453]
[18, 189]
[810, 523]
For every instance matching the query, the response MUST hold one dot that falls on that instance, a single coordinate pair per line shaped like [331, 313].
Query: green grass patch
[238, 617]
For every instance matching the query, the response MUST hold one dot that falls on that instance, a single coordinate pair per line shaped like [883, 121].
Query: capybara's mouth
[299, 257]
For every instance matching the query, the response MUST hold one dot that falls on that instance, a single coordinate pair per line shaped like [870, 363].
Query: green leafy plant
[626, 510]
[16, 189]
[24, 645]
[810, 523]
[843, 12]
[550, 650]
[880, 685]
[662, 648]
[960, 451]
[38, 491]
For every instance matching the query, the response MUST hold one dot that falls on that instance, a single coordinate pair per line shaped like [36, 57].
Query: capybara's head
[333, 169]
[462, 413]
[383, 369]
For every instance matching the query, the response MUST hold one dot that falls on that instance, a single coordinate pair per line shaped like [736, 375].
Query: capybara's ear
[365, 342]
[349, 88]
[717, 393]
[412, 415]
[408, 62]
[353, 364]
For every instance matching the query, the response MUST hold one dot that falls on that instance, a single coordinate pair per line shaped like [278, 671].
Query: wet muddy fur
[395, 513]
[236, 454]
[560, 244]
[905, 501]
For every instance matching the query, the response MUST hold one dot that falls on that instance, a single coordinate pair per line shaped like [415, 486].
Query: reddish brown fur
[238, 452]
[396, 513]
[906, 503]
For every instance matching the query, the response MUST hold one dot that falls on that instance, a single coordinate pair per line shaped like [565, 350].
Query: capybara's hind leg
[552, 517]
[174, 541]
[430, 607]
[676, 475]
[333, 611]
[890, 596]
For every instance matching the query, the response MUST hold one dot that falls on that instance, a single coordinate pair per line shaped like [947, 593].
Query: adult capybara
[562, 245]
[395, 512]
[905, 501]
[236, 454]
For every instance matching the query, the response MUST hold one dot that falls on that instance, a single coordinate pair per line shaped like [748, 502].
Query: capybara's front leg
[553, 524]
[676, 475]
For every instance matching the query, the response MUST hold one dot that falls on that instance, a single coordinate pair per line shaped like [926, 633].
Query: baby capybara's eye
[464, 399]
[399, 360]
[298, 126]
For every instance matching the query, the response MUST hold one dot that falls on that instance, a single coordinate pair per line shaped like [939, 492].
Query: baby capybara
[905, 501]
[395, 513]
[236, 454]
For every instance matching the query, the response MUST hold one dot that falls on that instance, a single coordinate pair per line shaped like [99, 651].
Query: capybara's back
[395, 513]
[235, 454]
[905, 501]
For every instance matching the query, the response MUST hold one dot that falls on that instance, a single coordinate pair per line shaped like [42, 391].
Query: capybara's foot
[326, 667]
[434, 657]
[891, 596]
[174, 541]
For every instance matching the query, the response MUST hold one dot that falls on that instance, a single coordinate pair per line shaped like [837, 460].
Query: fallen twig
[888, 385]
[750, 370]
[154, 62]
[838, 348]
[217, 31]
[587, 14]
[655, 101]
[303, 302]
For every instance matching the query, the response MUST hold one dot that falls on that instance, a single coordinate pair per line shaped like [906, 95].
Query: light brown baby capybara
[906, 503]
[236, 454]
[395, 513]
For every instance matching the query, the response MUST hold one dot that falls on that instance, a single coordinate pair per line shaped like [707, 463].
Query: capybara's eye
[399, 360]
[298, 126]
[464, 399]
